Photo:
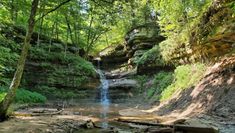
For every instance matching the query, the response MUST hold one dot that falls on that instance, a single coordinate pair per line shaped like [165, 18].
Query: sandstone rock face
[120, 61]
[122, 83]
[51, 64]
[137, 41]
[121, 89]
[141, 39]
[113, 57]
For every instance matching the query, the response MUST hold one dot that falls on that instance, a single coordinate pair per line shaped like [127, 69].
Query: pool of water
[104, 114]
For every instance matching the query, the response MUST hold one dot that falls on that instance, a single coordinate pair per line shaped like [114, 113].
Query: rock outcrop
[138, 41]
[122, 83]
[120, 61]
[51, 64]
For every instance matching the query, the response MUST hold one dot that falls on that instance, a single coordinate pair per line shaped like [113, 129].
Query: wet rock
[88, 125]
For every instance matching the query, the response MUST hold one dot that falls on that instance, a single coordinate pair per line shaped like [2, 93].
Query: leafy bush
[160, 82]
[185, 76]
[8, 59]
[24, 96]
[142, 79]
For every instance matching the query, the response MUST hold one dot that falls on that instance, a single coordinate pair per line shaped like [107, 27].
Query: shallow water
[105, 115]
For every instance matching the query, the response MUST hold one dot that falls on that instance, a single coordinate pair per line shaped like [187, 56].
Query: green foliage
[178, 21]
[8, 59]
[24, 96]
[54, 93]
[176, 15]
[60, 66]
[173, 48]
[142, 79]
[165, 84]
[152, 56]
[161, 81]
[2, 95]
[185, 76]
[84, 66]
[233, 6]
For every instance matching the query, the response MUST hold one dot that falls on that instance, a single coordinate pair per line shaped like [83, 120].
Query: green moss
[152, 56]
[65, 69]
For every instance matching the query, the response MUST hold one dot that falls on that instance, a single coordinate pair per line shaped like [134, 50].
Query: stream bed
[64, 122]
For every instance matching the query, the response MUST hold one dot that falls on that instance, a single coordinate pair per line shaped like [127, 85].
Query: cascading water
[103, 89]
[104, 100]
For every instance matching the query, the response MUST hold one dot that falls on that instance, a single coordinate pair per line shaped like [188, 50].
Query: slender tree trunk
[75, 33]
[40, 25]
[57, 31]
[88, 37]
[5, 103]
[51, 36]
[66, 44]
[106, 39]
[40, 31]
[69, 28]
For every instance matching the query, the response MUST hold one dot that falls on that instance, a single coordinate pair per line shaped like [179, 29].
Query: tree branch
[54, 9]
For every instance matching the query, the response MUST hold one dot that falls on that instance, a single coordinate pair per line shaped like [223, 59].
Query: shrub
[24, 96]
[8, 59]
[160, 82]
[142, 79]
[185, 76]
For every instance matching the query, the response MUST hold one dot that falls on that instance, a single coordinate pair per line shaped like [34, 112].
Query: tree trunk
[5, 103]
[51, 36]
[40, 32]
[40, 26]
[69, 29]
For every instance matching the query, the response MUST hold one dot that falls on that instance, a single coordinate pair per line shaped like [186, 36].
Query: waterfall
[104, 99]
[103, 88]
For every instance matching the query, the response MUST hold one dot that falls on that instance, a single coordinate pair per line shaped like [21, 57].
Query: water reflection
[104, 99]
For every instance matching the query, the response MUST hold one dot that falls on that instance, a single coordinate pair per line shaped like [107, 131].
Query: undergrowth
[185, 76]
[161, 81]
[163, 85]
[55, 93]
[24, 96]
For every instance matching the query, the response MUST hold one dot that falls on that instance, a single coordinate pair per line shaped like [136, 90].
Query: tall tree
[5, 103]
